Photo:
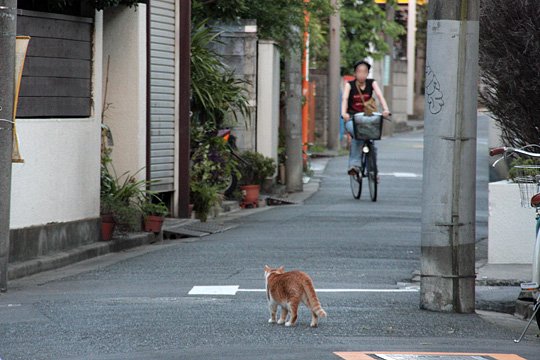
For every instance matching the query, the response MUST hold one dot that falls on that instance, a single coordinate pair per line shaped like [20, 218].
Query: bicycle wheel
[371, 173]
[356, 185]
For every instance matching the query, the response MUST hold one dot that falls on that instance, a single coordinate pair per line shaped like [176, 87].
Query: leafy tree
[364, 25]
[510, 64]
[274, 18]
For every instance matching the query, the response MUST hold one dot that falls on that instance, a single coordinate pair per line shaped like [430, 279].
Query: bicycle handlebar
[506, 149]
[496, 151]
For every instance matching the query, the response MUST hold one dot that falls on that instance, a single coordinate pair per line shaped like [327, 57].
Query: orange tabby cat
[288, 289]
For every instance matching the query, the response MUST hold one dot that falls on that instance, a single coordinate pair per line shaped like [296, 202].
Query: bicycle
[368, 129]
[367, 169]
[528, 179]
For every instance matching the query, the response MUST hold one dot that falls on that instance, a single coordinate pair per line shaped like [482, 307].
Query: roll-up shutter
[162, 93]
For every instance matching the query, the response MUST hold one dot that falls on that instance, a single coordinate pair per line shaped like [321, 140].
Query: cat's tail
[314, 300]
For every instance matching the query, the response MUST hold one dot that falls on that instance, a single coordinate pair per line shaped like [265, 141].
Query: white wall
[268, 99]
[59, 179]
[124, 40]
[511, 228]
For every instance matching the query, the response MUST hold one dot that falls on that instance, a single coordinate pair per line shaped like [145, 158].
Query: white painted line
[367, 290]
[214, 290]
[232, 290]
[402, 175]
[10, 305]
[405, 174]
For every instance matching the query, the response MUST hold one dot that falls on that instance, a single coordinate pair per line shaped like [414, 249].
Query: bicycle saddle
[535, 200]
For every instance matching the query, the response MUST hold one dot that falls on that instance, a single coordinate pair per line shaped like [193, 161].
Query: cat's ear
[281, 268]
[266, 268]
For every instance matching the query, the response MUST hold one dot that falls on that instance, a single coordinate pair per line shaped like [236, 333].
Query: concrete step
[230, 205]
[524, 309]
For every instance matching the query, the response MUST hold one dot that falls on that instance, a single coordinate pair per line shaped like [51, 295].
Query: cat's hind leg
[273, 311]
[293, 306]
[314, 320]
[283, 317]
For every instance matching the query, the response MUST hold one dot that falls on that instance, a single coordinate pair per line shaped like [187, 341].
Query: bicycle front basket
[367, 127]
[528, 179]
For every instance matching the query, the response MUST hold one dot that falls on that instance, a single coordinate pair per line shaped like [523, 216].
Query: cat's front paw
[281, 321]
[288, 323]
[272, 321]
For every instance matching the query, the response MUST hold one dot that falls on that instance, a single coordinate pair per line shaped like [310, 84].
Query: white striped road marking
[10, 305]
[401, 175]
[233, 290]
[214, 290]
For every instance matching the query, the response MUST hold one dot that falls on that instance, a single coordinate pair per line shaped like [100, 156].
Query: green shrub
[256, 168]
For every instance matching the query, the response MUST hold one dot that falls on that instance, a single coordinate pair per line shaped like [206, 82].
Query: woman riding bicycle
[352, 103]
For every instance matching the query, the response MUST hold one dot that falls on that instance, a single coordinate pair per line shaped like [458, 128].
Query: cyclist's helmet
[361, 62]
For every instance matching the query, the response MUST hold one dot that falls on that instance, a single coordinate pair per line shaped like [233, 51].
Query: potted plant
[119, 198]
[154, 211]
[254, 170]
[107, 218]
[203, 197]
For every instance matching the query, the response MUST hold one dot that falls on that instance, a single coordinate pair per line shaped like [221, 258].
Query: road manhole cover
[424, 356]
[429, 357]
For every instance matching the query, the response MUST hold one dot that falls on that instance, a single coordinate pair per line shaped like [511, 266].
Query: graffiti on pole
[434, 95]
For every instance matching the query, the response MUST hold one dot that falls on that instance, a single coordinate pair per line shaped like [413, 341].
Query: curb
[85, 252]
[229, 211]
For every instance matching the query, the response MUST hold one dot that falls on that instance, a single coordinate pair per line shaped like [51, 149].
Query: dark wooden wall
[57, 76]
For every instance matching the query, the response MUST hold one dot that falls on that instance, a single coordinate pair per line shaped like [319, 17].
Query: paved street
[135, 305]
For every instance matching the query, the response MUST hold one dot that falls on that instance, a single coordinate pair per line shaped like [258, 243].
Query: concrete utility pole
[8, 23]
[448, 205]
[293, 79]
[334, 80]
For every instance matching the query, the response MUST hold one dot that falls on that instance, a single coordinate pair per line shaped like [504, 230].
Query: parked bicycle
[528, 179]
[227, 180]
[367, 129]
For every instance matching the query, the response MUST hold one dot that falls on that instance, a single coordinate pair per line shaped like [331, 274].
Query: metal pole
[448, 204]
[388, 69]
[184, 109]
[293, 79]
[334, 80]
[305, 83]
[411, 58]
[8, 23]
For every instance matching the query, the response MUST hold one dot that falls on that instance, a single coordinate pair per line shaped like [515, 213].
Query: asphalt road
[135, 305]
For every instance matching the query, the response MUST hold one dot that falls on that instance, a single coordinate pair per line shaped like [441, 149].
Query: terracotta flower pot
[250, 195]
[107, 227]
[153, 223]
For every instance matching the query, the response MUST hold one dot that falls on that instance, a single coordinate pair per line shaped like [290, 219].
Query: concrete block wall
[320, 79]
[238, 48]
[399, 101]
